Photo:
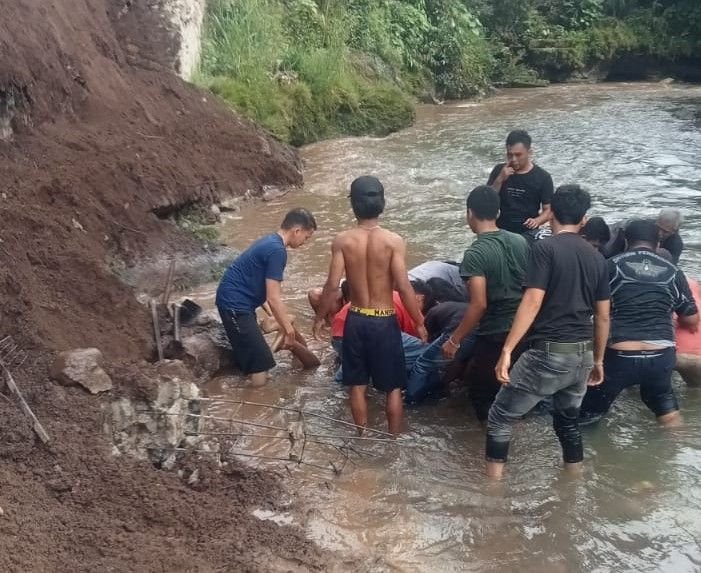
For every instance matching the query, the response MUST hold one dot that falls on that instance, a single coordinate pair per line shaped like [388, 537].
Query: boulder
[207, 353]
[81, 367]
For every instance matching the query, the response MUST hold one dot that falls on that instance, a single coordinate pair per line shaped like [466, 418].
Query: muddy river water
[423, 504]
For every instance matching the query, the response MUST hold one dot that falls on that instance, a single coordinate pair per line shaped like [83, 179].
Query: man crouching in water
[373, 260]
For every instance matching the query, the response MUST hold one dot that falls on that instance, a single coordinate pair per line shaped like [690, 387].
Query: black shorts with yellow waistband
[373, 350]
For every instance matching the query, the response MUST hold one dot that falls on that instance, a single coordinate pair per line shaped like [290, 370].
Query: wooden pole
[169, 282]
[156, 329]
[38, 428]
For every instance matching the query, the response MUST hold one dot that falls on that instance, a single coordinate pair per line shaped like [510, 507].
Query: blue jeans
[535, 376]
[423, 376]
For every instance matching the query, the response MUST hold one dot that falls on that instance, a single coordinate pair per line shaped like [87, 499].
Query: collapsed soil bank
[103, 139]
[99, 143]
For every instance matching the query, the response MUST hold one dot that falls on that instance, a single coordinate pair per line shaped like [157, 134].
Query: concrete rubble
[82, 367]
[153, 428]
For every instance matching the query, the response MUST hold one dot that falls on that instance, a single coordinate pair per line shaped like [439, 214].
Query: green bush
[309, 69]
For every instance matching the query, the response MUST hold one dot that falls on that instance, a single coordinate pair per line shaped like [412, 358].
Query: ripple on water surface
[423, 504]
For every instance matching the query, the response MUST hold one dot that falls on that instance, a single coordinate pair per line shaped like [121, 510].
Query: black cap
[366, 186]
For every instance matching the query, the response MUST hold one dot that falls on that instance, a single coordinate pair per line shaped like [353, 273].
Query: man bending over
[645, 291]
[254, 277]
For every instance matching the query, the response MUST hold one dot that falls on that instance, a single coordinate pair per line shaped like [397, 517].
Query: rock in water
[81, 367]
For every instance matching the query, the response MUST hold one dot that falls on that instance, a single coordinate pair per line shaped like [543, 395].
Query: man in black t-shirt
[525, 189]
[566, 283]
[668, 224]
[645, 290]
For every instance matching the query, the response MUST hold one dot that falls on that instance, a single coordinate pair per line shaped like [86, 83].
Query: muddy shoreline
[101, 145]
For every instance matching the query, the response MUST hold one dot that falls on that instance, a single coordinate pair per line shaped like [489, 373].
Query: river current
[423, 503]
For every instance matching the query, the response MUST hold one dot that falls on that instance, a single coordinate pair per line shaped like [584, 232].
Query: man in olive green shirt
[494, 267]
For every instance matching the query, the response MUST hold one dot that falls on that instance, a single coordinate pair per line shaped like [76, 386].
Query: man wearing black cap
[373, 260]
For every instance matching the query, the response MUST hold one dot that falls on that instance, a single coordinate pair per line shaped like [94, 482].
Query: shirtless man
[373, 260]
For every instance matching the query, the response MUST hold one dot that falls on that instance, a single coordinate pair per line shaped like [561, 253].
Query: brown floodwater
[422, 503]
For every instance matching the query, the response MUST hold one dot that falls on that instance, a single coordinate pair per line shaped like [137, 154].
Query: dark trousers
[250, 350]
[649, 369]
[483, 385]
[538, 375]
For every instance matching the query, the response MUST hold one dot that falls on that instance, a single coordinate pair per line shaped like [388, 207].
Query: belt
[563, 347]
[373, 311]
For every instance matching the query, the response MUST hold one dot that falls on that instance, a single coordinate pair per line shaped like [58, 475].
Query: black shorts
[251, 352]
[372, 350]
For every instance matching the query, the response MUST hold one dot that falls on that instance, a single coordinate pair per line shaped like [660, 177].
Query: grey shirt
[437, 269]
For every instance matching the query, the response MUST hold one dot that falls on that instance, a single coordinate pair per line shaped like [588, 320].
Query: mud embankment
[100, 143]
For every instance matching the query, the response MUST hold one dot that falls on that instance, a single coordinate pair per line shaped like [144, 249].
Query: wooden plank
[156, 329]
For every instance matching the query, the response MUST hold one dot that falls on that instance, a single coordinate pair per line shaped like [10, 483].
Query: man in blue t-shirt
[252, 279]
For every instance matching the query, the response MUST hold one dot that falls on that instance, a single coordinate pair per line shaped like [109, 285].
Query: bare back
[372, 259]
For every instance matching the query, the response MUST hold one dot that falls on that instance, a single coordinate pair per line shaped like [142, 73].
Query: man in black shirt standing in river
[566, 283]
[525, 189]
[645, 290]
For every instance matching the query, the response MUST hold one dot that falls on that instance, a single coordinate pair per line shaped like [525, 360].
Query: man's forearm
[544, 217]
[601, 335]
[280, 313]
[690, 323]
[469, 322]
[406, 294]
[326, 301]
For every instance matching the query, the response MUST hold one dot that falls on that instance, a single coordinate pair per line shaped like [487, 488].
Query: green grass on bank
[287, 66]
[313, 69]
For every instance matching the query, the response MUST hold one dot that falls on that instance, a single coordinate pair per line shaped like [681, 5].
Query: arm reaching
[602, 322]
[400, 278]
[474, 313]
[541, 219]
[690, 323]
[329, 293]
[525, 316]
[273, 293]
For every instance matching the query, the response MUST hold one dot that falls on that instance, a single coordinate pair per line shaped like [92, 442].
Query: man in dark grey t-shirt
[566, 283]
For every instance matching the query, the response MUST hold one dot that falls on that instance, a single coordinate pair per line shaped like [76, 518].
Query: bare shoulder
[341, 239]
[393, 239]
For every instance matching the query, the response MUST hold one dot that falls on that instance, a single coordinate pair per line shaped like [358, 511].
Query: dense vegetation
[310, 69]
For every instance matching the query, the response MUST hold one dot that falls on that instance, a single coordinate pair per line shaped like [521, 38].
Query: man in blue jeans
[426, 361]
[252, 279]
[645, 291]
[566, 283]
